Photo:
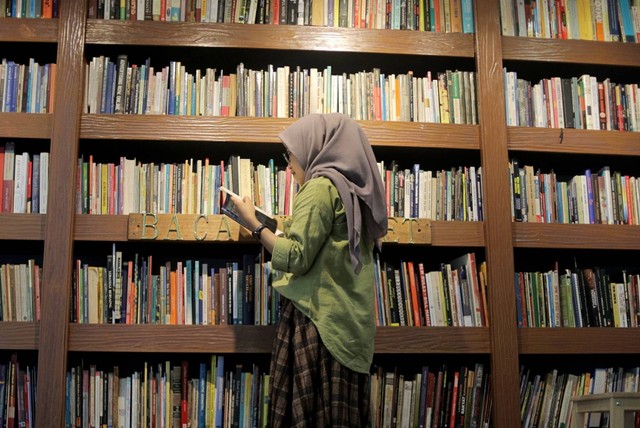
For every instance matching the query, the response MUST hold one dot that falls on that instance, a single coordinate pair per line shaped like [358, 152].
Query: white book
[21, 172]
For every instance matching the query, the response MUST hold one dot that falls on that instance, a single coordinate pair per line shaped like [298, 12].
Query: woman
[324, 339]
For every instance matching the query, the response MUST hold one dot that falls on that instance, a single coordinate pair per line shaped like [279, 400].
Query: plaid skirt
[309, 388]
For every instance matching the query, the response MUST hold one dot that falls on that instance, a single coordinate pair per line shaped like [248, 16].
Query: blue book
[626, 23]
[467, 16]
[614, 23]
[219, 380]
[189, 288]
[202, 395]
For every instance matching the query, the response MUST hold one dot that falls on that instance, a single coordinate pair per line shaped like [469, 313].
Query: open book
[228, 208]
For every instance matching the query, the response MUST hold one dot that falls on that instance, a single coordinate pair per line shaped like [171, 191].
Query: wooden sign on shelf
[219, 228]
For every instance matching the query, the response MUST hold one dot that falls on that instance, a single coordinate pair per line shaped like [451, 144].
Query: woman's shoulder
[319, 184]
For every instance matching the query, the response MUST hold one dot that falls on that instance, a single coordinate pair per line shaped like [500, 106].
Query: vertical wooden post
[498, 226]
[58, 244]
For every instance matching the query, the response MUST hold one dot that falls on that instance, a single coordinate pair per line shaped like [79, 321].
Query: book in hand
[228, 208]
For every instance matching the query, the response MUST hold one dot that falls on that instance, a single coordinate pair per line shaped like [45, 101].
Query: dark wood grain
[28, 30]
[583, 341]
[595, 236]
[266, 130]
[258, 339]
[25, 125]
[26, 227]
[58, 246]
[288, 37]
[570, 51]
[19, 335]
[497, 215]
[577, 141]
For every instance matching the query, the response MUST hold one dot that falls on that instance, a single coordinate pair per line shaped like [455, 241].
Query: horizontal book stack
[213, 394]
[603, 197]
[578, 297]
[282, 91]
[18, 384]
[546, 397]
[435, 396]
[24, 180]
[604, 20]
[188, 292]
[26, 88]
[428, 15]
[29, 9]
[20, 286]
[409, 294]
[580, 102]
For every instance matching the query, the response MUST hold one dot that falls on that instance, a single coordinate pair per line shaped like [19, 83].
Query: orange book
[47, 8]
[52, 87]
[411, 274]
[173, 298]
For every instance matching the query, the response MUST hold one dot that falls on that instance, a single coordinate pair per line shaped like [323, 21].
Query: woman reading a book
[325, 335]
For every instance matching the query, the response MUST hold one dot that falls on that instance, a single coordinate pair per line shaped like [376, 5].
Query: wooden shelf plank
[589, 236]
[25, 227]
[288, 37]
[570, 51]
[89, 227]
[19, 335]
[25, 125]
[432, 340]
[577, 141]
[266, 130]
[28, 30]
[258, 339]
[588, 340]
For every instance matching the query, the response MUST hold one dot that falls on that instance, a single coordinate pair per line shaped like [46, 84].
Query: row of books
[25, 180]
[26, 88]
[215, 394]
[605, 20]
[20, 286]
[29, 8]
[192, 187]
[18, 385]
[278, 91]
[601, 197]
[184, 188]
[576, 102]
[423, 15]
[545, 399]
[577, 297]
[202, 292]
[408, 294]
[446, 194]
[434, 397]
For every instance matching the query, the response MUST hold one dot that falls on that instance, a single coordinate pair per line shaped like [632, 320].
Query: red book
[454, 400]
[184, 405]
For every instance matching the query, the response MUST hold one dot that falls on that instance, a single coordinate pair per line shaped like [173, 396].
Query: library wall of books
[506, 132]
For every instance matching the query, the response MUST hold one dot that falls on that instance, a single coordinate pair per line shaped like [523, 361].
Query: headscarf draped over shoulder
[335, 146]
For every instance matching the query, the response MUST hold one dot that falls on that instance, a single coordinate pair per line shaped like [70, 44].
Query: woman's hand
[246, 211]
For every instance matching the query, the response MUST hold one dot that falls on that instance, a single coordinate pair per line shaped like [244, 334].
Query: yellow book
[585, 20]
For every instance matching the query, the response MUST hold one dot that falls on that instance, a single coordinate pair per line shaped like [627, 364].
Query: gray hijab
[334, 146]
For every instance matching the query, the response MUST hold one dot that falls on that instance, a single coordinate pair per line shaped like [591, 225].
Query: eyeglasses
[285, 155]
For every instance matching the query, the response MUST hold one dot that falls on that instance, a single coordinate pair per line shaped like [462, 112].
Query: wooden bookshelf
[259, 339]
[25, 125]
[24, 227]
[590, 236]
[578, 341]
[19, 335]
[28, 30]
[286, 37]
[485, 52]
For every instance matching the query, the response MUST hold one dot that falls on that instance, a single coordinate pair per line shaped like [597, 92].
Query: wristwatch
[257, 231]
